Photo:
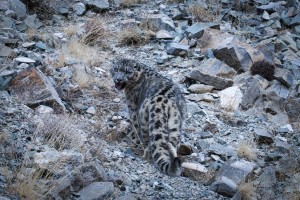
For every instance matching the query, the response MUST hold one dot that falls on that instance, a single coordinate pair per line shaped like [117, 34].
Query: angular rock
[178, 49]
[295, 20]
[230, 175]
[288, 165]
[200, 88]
[266, 16]
[19, 8]
[267, 181]
[292, 108]
[217, 82]
[33, 88]
[251, 93]
[79, 8]
[263, 135]
[197, 29]
[215, 67]
[230, 98]
[5, 51]
[50, 159]
[235, 56]
[156, 22]
[33, 22]
[284, 76]
[97, 190]
[97, 5]
[163, 34]
[221, 150]
[91, 110]
[277, 89]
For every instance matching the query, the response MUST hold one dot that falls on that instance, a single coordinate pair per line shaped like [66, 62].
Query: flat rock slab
[96, 190]
[284, 76]
[267, 181]
[24, 60]
[178, 49]
[98, 5]
[217, 82]
[158, 22]
[197, 29]
[33, 88]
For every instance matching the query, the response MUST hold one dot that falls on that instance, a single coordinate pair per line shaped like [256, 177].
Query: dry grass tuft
[4, 136]
[132, 36]
[70, 30]
[82, 52]
[31, 34]
[31, 186]
[60, 61]
[247, 190]
[246, 151]
[128, 3]
[211, 13]
[59, 132]
[95, 32]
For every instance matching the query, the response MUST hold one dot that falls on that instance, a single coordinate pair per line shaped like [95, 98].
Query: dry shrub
[246, 151]
[81, 77]
[60, 61]
[243, 5]
[33, 185]
[95, 32]
[31, 34]
[4, 136]
[211, 13]
[59, 132]
[132, 36]
[264, 69]
[247, 191]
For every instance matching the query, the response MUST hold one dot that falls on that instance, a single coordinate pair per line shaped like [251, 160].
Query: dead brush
[132, 36]
[246, 151]
[95, 32]
[211, 13]
[247, 191]
[59, 132]
[70, 30]
[129, 3]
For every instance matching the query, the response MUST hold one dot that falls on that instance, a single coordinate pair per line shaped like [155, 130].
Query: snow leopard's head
[125, 72]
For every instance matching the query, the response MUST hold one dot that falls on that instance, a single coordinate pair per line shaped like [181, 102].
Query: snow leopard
[157, 110]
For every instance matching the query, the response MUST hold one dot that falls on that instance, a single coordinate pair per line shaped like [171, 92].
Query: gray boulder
[19, 8]
[178, 49]
[79, 8]
[32, 87]
[96, 190]
[97, 5]
[230, 175]
[33, 22]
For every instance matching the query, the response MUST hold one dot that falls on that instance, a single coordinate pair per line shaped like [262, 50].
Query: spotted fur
[156, 108]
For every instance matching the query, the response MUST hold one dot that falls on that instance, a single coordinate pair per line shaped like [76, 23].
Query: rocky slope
[62, 122]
